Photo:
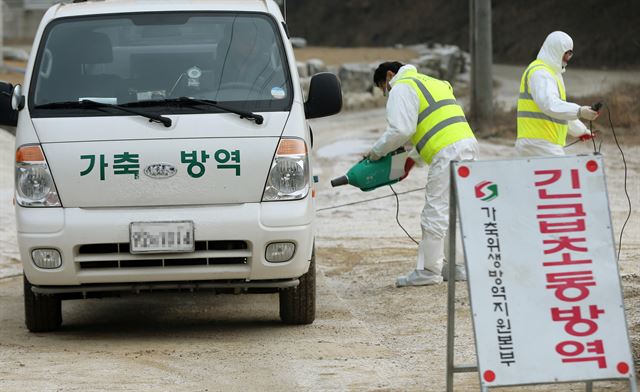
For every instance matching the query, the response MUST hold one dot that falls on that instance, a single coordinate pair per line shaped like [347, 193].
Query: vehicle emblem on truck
[160, 170]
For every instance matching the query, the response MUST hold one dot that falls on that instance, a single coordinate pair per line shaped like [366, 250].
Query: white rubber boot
[429, 266]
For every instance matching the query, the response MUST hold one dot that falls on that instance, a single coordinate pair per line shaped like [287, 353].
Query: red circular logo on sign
[623, 368]
[463, 171]
[592, 166]
[489, 376]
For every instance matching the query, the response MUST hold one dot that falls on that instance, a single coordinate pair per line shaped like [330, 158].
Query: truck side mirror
[10, 96]
[325, 96]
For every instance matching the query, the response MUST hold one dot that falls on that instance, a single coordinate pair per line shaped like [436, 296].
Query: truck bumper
[230, 244]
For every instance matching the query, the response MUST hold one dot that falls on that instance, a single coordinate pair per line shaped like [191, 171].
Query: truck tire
[42, 313]
[298, 304]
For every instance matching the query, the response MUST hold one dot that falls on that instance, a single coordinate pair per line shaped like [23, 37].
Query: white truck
[164, 146]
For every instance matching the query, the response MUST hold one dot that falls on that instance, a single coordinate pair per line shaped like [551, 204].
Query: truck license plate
[161, 237]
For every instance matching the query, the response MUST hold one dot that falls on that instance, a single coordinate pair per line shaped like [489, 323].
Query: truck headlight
[34, 184]
[289, 175]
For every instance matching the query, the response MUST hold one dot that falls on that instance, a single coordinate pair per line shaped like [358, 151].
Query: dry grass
[622, 102]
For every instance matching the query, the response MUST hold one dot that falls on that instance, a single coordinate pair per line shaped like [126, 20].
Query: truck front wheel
[42, 313]
[298, 304]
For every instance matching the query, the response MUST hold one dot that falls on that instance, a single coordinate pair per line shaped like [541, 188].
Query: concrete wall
[21, 19]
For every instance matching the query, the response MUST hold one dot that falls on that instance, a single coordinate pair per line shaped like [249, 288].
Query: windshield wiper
[206, 102]
[89, 104]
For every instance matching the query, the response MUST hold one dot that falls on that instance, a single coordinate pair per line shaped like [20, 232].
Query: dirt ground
[368, 335]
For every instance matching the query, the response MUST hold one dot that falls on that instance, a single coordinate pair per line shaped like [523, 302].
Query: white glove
[586, 113]
[372, 156]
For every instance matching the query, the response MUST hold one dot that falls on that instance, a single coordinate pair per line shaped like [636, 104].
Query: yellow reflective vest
[441, 121]
[532, 122]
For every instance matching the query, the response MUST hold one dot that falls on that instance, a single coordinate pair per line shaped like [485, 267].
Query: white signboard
[543, 278]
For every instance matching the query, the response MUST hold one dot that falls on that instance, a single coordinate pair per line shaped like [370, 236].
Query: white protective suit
[544, 90]
[402, 117]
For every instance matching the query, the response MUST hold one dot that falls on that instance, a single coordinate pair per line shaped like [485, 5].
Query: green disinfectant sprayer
[369, 175]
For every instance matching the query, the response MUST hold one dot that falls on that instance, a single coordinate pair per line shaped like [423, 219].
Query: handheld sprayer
[369, 175]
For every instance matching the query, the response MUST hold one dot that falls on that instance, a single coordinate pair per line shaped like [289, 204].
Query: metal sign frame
[452, 368]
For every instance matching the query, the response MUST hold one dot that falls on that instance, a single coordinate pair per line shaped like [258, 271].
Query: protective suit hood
[553, 49]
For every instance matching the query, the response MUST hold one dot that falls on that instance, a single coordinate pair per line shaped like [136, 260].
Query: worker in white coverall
[544, 115]
[424, 111]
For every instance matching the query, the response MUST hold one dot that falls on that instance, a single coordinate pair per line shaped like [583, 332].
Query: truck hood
[128, 162]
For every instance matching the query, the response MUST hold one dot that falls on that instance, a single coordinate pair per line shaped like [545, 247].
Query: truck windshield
[232, 58]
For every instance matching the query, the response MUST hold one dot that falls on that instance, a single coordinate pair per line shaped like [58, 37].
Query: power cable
[572, 143]
[366, 200]
[398, 213]
[593, 137]
[626, 192]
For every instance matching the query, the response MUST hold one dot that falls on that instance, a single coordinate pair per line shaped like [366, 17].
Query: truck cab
[165, 146]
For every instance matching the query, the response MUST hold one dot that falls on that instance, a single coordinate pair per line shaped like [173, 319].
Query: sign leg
[451, 284]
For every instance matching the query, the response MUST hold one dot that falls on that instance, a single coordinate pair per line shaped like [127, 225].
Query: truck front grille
[117, 256]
